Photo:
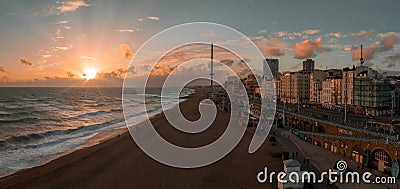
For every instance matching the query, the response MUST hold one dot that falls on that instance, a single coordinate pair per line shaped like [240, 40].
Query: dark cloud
[107, 75]
[71, 75]
[131, 70]
[121, 73]
[227, 62]
[2, 69]
[393, 58]
[114, 75]
[25, 62]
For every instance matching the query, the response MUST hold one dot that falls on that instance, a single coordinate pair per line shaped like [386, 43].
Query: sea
[38, 125]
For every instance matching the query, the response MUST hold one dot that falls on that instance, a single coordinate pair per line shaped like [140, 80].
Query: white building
[347, 85]
[295, 87]
[331, 92]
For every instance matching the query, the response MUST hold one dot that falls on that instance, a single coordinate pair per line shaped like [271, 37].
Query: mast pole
[212, 66]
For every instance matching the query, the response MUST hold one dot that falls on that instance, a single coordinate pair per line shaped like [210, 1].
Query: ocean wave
[60, 124]
[94, 105]
[26, 120]
[35, 139]
[4, 113]
[21, 113]
[90, 114]
[24, 138]
[97, 113]
[18, 107]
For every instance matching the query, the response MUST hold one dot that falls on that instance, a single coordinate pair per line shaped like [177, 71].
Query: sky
[55, 42]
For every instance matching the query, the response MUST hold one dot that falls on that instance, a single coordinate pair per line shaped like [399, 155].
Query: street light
[298, 102]
[393, 102]
[345, 106]
[284, 113]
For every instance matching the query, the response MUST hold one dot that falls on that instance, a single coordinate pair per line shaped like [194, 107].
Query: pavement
[288, 145]
[323, 160]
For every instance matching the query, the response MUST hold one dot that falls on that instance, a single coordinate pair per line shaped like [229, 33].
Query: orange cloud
[209, 34]
[309, 49]
[388, 42]
[262, 31]
[334, 34]
[126, 50]
[272, 52]
[62, 22]
[271, 47]
[155, 18]
[71, 5]
[88, 58]
[159, 70]
[368, 53]
[128, 30]
[362, 35]
[311, 32]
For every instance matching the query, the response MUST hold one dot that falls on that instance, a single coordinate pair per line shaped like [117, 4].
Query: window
[381, 155]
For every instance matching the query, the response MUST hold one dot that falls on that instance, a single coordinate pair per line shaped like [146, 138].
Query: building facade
[347, 86]
[295, 87]
[331, 92]
[316, 79]
[372, 93]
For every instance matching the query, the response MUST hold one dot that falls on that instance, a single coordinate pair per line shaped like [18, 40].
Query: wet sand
[119, 163]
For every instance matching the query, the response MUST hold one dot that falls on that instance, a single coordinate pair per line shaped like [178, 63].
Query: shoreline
[93, 140]
[52, 174]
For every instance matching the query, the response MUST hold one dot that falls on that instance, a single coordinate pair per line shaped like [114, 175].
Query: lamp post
[298, 103]
[284, 113]
[393, 102]
[345, 107]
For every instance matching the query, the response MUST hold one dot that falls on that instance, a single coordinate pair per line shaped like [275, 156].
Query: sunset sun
[89, 73]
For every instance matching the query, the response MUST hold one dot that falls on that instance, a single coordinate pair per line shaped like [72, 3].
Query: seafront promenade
[323, 160]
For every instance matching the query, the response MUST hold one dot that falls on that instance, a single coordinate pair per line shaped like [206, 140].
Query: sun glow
[89, 73]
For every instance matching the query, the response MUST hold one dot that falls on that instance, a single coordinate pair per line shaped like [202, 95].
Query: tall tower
[273, 65]
[361, 57]
[212, 67]
[308, 65]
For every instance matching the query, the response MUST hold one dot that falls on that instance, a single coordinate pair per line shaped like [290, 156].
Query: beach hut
[293, 173]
